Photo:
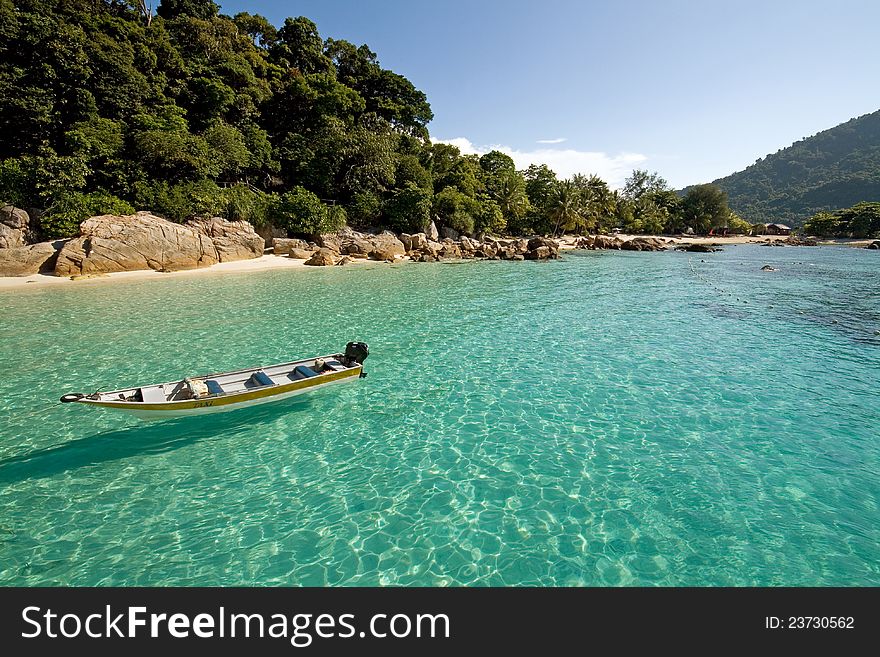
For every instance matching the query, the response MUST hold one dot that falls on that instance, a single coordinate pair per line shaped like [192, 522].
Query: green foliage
[187, 200]
[736, 225]
[457, 210]
[641, 182]
[16, 182]
[365, 208]
[196, 8]
[409, 209]
[859, 221]
[489, 218]
[704, 206]
[244, 204]
[834, 168]
[63, 217]
[300, 212]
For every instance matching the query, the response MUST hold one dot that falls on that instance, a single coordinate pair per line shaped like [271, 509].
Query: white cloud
[564, 161]
[558, 140]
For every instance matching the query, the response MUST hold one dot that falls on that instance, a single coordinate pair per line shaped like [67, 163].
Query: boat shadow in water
[145, 438]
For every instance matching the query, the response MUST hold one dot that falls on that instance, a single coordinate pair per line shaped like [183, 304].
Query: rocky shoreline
[145, 242]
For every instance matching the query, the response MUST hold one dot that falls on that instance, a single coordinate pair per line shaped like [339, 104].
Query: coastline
[270, 262]
[263, 263]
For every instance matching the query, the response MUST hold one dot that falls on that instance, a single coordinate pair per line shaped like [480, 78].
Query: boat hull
[226, 403]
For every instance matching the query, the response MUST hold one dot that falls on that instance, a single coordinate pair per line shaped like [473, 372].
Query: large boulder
[874, 245]
[14, 227]
[141, 241]
[283, 245]
[234, 240]
[356, 245]
[643, 244]
[301, 254]
[144, 241]
[432, 232]
[388, 242]
[332, 241]
[27, 260]
[699, 248]
[541, 248]
[323, 257]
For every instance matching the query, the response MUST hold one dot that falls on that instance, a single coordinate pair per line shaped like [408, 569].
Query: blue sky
[694, 90]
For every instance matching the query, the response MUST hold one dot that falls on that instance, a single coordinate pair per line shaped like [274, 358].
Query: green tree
[565, 207]
[300, 212]
[704, 206]
[203, 9]
[457, 210]
[409, 209]
[67, 212]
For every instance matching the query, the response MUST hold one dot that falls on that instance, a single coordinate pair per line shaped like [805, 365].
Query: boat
[229, 391]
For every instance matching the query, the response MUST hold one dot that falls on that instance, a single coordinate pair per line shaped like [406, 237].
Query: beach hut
[778, 229]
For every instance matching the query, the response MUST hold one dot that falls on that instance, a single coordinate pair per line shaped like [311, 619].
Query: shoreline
[265, 262]
[270, 261]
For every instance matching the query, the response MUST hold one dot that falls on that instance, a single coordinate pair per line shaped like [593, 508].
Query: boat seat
[259, 379]
[302, 372]
[335, 365]
[153, 395]
[214, 388]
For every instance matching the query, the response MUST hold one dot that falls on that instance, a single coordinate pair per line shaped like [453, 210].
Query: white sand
[256, 264]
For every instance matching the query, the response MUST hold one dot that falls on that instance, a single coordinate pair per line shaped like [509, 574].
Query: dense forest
[109, 108]
[833, 169]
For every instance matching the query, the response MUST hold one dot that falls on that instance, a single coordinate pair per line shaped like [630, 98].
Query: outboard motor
[356, 352]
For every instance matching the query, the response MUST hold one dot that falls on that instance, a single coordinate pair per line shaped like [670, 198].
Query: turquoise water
[607, 419]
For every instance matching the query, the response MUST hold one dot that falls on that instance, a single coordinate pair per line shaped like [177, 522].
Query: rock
[406, 240]
[141, 241]
[27, 260]
[768, 268]
[323, 257]
[14, 227]
[387, 241]
[234, 240]
[332, 241]
[357, 245]
[450, 250]
[698, 248]
[344, 261]
[419, 241]
[643, 244]
[800, 241]
[874, 245]
[283, 245]
[432, 232]
[269, 233]
[301, 254]
[538, 253]
[449, 233]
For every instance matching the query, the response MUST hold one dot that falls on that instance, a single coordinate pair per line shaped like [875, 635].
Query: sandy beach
[257, 264]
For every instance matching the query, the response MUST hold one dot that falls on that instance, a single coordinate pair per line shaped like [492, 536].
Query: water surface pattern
[606, 419]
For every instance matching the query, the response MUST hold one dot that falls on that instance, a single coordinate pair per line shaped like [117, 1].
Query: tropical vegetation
[109, 108]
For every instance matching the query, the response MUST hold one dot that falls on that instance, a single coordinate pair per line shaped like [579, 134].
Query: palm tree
[565, 207]
[510, 194]
[597, 199]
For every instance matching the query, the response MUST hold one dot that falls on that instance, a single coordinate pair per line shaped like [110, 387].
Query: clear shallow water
[608, 419]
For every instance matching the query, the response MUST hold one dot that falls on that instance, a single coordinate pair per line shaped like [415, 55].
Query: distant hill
[833, 169]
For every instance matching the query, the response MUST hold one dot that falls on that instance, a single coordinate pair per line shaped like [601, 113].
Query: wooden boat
[228, 391]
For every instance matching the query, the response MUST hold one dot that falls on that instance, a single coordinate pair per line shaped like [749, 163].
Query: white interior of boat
[228, 383]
